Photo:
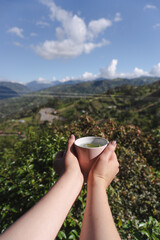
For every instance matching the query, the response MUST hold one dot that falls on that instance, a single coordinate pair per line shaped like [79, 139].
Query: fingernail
[114, 143]
[72, 135]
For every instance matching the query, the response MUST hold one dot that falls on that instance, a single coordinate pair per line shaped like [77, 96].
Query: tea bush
[26, 174]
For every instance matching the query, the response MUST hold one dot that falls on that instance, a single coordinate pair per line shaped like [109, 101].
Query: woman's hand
[105, 167]
[98, 222]
[67, 161]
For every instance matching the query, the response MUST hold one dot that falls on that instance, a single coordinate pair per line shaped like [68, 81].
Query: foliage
[26, 172]
[141, 230]
[126, 104]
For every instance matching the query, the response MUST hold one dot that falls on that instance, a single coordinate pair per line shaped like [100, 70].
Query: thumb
[71, 141]
[110, 149]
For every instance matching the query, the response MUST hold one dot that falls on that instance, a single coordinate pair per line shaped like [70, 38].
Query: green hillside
[98, 86]
[138, 105]
[17, 87]
[125, 104]
[129, 114]
[6, 92]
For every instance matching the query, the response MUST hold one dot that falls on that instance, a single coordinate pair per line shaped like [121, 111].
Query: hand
[105, 167]
[67, 161]
[58, 164]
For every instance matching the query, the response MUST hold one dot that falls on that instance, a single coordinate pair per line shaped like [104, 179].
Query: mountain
[6, 92]
[37, 85]
[16, 87]
[97, 86]
[75, 86]
[127, 104]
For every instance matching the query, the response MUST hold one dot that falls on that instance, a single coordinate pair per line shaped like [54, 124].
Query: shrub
[26, 174]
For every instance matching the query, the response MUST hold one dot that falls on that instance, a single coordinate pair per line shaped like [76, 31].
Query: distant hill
[134, 90]
[127, 104]
[40, 84]
[17, 87]
[97, 86]
[6, 92]
[74, 86]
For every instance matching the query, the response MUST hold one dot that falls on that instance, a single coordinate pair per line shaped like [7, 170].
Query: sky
[48, 40]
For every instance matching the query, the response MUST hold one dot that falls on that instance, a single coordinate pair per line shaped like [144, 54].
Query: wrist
[97, 186]
[75, 175]
[96, 181]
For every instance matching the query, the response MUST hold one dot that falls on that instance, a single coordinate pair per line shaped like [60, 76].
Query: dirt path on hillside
[48, 114]
[148, 106]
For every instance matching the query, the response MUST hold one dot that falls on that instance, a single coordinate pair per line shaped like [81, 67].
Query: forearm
[98, 223]
[44, 220]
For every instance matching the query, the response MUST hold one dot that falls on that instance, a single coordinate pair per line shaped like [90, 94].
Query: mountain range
[127, 104]
[6, 92]
[69, 87]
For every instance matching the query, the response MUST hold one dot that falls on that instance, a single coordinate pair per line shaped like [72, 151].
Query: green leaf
[154, 237]
[75, 232]
[62, 235]
[150, 220]
[142, 225]
[145, 232]
[120, 223]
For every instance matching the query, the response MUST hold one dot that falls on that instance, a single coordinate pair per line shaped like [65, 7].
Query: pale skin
[98, 223]
[44, 220]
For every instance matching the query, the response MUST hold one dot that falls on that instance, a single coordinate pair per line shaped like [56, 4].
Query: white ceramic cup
[87, 153]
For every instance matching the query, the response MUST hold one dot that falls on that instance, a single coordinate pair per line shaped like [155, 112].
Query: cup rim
[91, 137]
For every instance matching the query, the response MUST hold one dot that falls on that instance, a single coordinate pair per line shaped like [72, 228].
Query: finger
[64, 153]
[71, 141]
[108, 151]
[60, 154]
[58, 164]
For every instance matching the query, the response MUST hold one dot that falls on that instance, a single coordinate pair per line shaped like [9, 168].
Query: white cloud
[42, 24]
[56, 49]
[97, 26]
[13, 81]
[118, 17]
[17, 44]
[74, 36]
[157, 25]
[42, 80]
[148, 6]
[60, 33]
[67, 78]
[109, 71]
[88, 47]
[33, 34]
[156, 70]
[137, 73]
[73, 27]
[3, 80]
[87, 76]
[17, 31]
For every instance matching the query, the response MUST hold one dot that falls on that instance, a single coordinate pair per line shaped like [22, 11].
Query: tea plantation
[26, 171]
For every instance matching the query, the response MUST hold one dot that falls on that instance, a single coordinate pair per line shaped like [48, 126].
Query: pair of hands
[103, 171]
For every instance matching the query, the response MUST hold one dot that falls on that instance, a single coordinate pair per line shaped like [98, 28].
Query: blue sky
[49, 40]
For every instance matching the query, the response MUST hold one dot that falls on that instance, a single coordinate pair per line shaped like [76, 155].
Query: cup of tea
[88, 149]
